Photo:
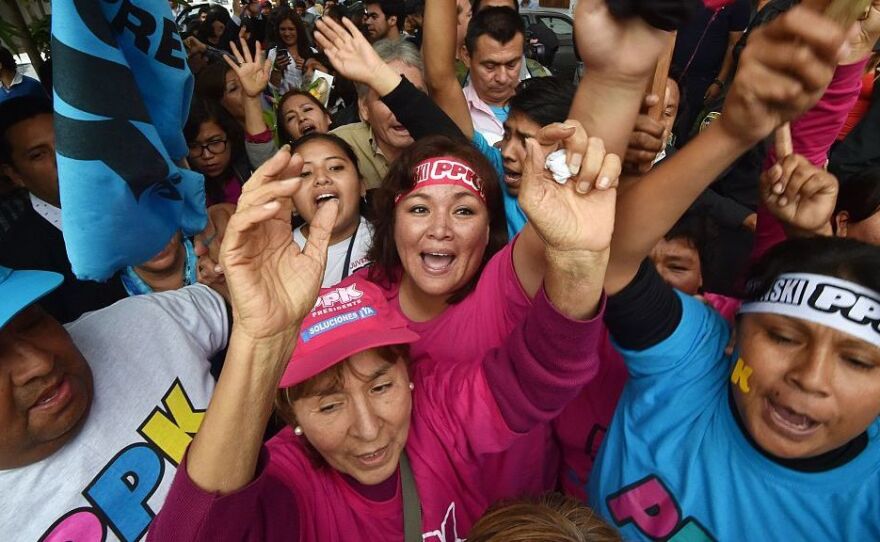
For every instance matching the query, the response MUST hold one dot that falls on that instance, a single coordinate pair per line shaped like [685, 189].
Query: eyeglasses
[216, 146]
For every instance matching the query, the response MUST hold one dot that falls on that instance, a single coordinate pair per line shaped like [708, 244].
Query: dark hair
[332, 139]
[211, 82]
[299, 4]
[281, 127]
[698, 229]
[545, 100]
[15, 110]
[846, 259]
[335, 12]
[860, 195]
[391, 8]
[549, 518]
[206, 28]
[7, 61]
[499, 23]
[386, 266]
[477, 5]
[253, 28]
[302, 39]
[202, 111]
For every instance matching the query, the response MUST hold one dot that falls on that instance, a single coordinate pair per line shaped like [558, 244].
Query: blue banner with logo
[122, 93]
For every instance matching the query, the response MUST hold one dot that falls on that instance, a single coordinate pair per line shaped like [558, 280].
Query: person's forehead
[210, 129]
[374, 8]
[497, 3]
[31, 132]
[519, 122]
[488, 48]
[319, 150]
[296, 102]
[677, 247]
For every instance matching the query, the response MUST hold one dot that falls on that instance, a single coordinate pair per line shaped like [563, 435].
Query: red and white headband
[447, 170]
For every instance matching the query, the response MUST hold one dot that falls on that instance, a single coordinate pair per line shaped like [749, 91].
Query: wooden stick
[844, 13]
[658, 82]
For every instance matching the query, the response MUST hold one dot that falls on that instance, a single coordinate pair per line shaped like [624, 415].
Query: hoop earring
[298, 431]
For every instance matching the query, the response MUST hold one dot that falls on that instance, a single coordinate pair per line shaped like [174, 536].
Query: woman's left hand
[566, 217]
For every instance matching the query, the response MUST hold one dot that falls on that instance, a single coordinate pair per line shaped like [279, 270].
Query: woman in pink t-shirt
[379, 449]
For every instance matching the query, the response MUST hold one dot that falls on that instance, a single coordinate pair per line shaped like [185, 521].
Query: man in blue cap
[97, 414]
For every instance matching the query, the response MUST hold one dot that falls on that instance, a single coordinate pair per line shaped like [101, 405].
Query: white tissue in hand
[556, 164]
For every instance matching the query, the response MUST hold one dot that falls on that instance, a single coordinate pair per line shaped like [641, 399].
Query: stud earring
[298, 431]
[412, 386]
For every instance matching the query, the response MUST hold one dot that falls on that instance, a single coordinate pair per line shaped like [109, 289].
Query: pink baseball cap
[348, 318]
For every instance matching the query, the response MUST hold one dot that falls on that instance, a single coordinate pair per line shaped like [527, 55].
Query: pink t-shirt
[812, 136]
[458, 420]
[581, 427]
[480, 323]
[470, 329]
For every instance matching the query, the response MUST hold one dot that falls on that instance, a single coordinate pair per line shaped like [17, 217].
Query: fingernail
[288, 182]
[604, 182]
[575, 166]
[778, 188]
[218, 268]
[271, 205]
[783, 201]
[583, 187]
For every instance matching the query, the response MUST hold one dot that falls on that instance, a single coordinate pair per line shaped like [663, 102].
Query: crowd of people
[444, 294]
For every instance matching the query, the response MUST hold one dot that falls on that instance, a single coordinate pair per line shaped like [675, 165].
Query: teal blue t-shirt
[516, 218]
[676, 466]
[500, 112]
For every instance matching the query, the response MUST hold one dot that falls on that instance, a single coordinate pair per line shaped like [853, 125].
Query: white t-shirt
[291, 78]
[149, 360]
[336, 254]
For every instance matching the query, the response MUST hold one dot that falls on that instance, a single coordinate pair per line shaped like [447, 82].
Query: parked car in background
[565, 62]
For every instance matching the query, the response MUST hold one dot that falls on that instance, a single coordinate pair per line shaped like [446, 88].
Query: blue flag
[122, 92]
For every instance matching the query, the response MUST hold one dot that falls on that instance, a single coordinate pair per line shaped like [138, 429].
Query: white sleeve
[199, 311]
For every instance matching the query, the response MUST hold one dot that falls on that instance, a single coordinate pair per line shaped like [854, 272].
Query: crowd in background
[444, 293]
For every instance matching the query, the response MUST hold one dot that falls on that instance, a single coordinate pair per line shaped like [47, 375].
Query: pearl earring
[412, 386]
[298, 431]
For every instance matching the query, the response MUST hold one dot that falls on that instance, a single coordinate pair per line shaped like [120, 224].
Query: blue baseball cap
[21, 289]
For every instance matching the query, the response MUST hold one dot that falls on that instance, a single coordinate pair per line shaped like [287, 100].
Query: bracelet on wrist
[718, 82]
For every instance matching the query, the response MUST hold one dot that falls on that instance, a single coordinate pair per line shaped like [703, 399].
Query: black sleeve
[726, 211]
[645, 313]
[419, 114]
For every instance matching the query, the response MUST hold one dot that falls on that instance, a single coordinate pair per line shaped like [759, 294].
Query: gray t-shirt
[149, 360]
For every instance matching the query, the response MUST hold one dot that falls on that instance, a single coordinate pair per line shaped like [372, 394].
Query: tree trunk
[24, 37]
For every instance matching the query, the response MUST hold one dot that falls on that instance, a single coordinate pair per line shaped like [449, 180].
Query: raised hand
[578, 146]
[783, 72]
[618, 48]
[862, 42]
[566, 220]
[348, 50]
[252, 70]
[272, 282]
[799, 194]
[646, 140]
